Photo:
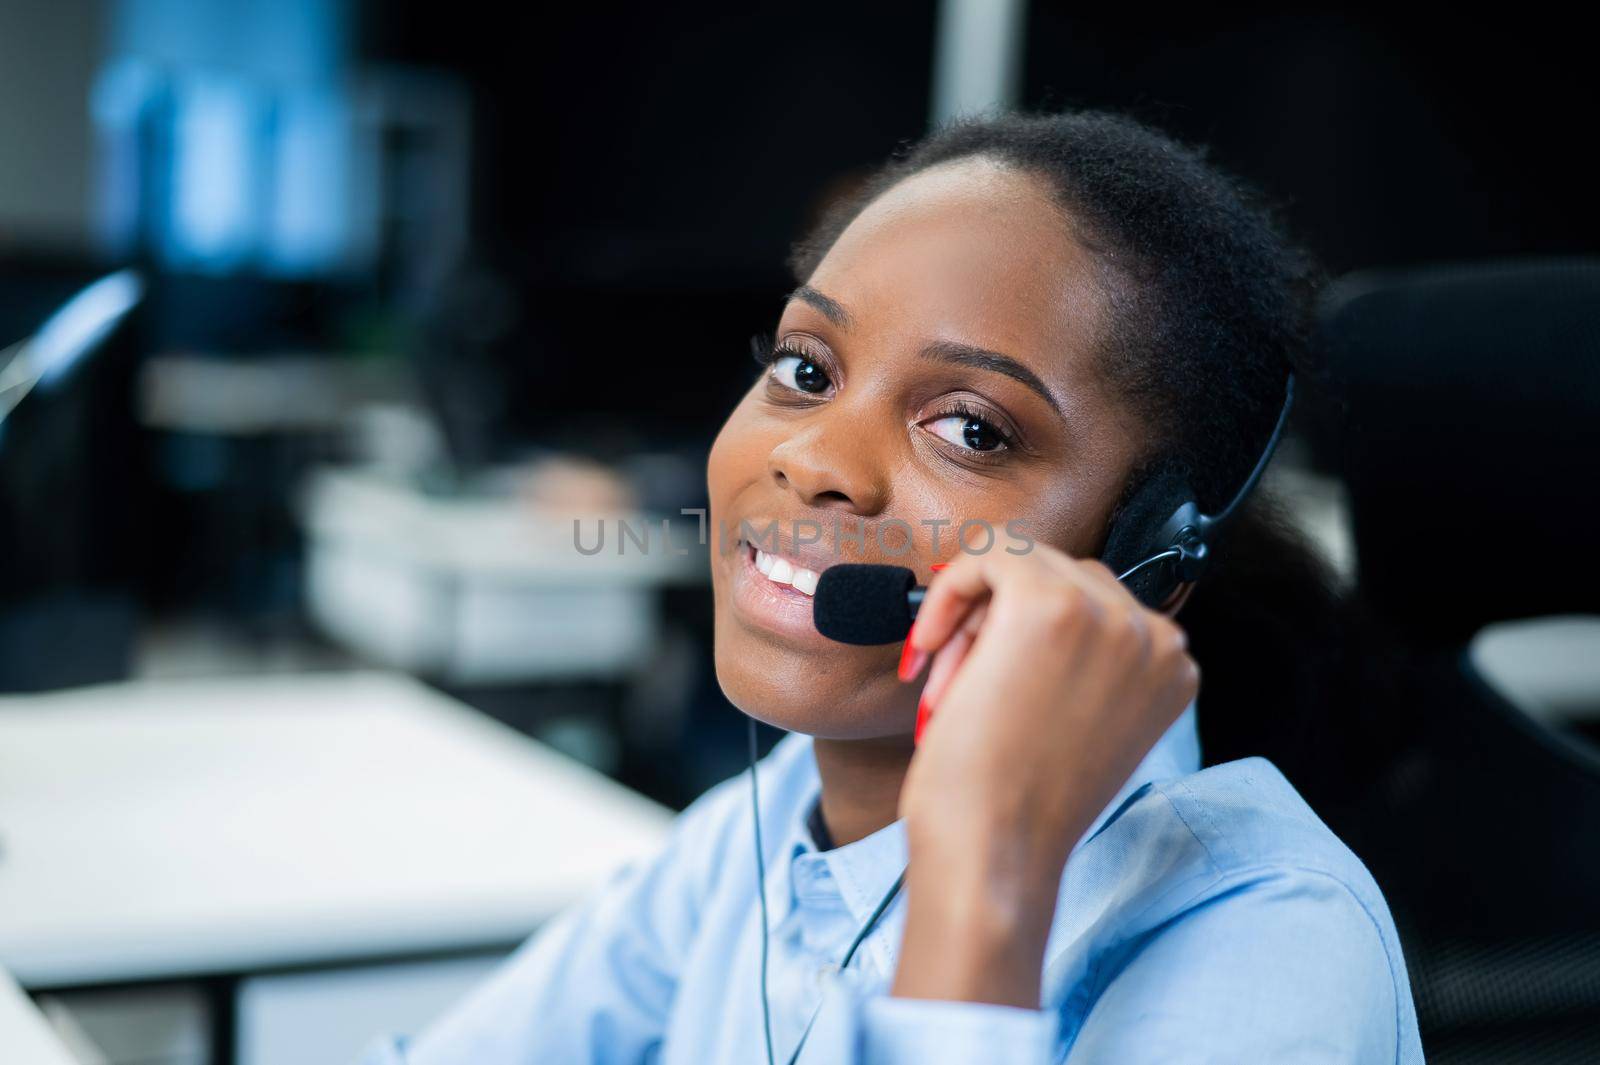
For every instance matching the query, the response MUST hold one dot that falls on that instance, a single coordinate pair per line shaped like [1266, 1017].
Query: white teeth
[805, 581]
[781, 571]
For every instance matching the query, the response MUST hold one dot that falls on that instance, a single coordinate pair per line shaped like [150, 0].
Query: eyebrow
[949, 351]
[959, 354]
[831, 308]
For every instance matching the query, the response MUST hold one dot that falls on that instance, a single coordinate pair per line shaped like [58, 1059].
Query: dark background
[640, 175]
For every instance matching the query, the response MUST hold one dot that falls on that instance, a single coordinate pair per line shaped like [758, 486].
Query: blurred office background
[321, 321]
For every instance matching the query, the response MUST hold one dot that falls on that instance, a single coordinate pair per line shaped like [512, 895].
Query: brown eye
[799, 373]
[968, 431]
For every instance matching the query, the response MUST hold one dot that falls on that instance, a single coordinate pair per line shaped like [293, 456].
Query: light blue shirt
[1205, 916]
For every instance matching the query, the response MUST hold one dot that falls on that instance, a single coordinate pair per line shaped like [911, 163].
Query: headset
[1159, 541]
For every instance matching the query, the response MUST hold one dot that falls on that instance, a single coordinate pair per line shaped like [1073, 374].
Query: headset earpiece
[1161, 539]
[1159, 518]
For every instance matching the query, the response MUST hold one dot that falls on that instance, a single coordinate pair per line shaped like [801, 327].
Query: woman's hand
[1050, 682]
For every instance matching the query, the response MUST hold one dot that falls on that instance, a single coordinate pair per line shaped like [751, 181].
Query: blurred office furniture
[1547, 667]
[489, 588]
[1317, 505]
[25, 1036]
[262, 834]
[71, 465]
[248, 382]
[160, 1024]
[235, 433]
[1470, 448]
[245, 395]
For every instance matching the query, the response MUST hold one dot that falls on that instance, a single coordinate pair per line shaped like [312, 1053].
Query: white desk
[225, 826]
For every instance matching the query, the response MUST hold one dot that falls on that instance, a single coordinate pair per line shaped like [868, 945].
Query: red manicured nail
[937, 566]
[923, 712]
[911, 660]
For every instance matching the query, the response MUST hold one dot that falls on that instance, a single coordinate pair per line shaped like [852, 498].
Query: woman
[1016, 324]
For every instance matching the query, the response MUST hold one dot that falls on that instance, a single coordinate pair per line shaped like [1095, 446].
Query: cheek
[737, 460]
[1067, 517]
[735, 456]
[1045, 510]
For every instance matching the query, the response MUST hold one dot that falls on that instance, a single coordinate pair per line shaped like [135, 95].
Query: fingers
[952, 594]
[949, 658]
[1150, 628]
[1051, 594]
[1044, 572]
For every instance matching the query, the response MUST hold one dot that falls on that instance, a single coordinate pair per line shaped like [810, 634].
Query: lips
[773, 572]
[772, 593]
[783, 571]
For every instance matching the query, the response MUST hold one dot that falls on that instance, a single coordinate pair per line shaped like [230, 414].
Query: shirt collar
[1175, 754]
[866, 869]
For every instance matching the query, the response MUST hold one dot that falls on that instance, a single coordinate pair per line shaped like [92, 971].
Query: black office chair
[1469, 440]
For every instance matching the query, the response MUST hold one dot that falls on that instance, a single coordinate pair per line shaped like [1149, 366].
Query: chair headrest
[1467, 429]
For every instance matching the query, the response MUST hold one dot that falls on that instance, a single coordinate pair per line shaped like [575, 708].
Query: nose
[829, 463]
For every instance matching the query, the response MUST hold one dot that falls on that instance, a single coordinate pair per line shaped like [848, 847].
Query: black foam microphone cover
[864, 604]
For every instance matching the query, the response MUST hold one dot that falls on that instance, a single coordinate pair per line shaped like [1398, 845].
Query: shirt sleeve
[1287, 966]
[597, 982]
[900, 1031]
[857, 1023]
[856, 1029]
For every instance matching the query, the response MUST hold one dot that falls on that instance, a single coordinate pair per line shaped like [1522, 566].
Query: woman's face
[937, 368]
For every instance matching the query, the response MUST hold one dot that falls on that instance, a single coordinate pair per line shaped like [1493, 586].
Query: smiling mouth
[782, 572]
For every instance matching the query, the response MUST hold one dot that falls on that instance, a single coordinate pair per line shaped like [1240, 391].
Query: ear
[1175, 601]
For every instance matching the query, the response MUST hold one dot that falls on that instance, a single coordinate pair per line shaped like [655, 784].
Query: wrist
[974, 933]
[1006, 864]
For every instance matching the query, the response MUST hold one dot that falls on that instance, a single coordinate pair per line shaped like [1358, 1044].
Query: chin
[829, 698]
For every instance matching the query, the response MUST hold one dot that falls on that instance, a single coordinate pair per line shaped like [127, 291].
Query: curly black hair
[1211, 304]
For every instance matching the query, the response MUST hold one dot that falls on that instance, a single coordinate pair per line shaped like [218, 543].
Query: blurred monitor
[70, 470]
